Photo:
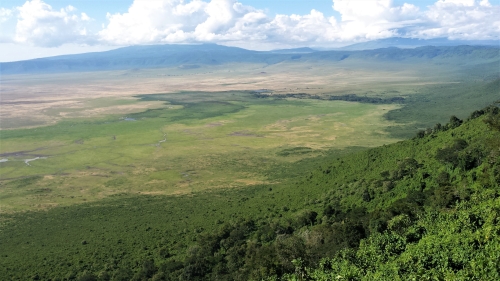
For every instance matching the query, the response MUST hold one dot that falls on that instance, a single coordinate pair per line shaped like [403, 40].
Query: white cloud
[84, 17]
[374, 11]
[223, 21]
[312, 28]
[232, 23]
[374, 19]
[38, 24]
[177, 21]
[6, 22]
[5, 14]
[154, 21]
[461, 19]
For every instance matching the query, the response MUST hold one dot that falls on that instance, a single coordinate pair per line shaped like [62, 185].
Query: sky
[39, 28]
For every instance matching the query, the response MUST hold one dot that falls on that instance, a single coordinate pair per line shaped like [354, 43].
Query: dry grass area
[87, 161]
[34, 100]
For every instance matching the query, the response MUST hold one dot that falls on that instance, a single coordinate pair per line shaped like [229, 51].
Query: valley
[274, 167]
[196, 141]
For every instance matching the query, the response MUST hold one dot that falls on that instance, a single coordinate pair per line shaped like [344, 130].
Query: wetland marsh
[157, 131]
[196, 141]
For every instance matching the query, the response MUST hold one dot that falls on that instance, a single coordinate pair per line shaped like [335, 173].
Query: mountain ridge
[410, 43]
[157, 56]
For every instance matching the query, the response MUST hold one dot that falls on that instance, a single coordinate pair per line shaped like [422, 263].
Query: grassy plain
[217, 134]
[196, 141]
[34, 100]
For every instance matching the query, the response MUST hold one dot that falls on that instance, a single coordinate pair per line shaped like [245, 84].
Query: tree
[289, 248]
[493, 121]
[454, 122]
[438, 127]
[306, 217]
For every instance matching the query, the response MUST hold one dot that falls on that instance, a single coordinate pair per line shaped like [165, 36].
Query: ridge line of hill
[157, 56]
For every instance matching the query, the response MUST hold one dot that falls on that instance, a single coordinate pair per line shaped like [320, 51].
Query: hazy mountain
[149, 56]
[191, 56]
[293, 51]
[408, 43]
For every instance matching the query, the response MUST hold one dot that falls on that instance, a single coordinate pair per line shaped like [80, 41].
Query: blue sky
[37, 28]
[97, 9]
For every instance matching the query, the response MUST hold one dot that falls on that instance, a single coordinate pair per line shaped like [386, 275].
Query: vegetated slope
[445, 225]
[434, 104]
[425, 208]
[210, 54]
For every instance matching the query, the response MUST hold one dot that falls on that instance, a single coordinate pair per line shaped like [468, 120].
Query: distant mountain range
[193, 56]
[410, 43]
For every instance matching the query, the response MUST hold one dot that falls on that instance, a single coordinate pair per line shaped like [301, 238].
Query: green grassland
[196, 141]
[435, 103]
[424, 208]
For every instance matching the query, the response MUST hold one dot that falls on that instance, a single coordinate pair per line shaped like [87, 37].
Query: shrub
[306, 217]
[454, 122]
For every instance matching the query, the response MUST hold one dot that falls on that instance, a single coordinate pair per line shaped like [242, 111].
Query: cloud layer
[233, 23]
[40, 25]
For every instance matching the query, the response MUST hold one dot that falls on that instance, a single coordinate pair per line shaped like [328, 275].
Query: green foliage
[493, 120]
[454, 122]
[421, 209]
[450, 154]
[294, 151]
[459, 244]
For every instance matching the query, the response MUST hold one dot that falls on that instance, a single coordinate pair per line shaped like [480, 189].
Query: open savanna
[42, 99]
[213, 133]
[193, 141]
